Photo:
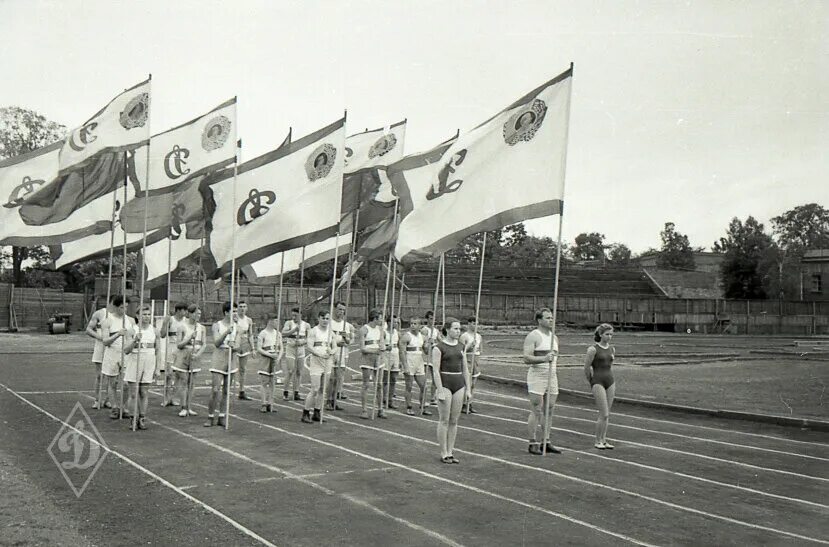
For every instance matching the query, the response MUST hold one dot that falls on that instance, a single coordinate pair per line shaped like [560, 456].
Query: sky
[689, 112]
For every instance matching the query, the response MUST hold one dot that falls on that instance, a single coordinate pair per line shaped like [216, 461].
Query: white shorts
[142, 367]
[414, 364]
[372, 362]
[111, 362]
[98, 352]
[394, 357]
[341, 357]
[537, 380]
[294, 352]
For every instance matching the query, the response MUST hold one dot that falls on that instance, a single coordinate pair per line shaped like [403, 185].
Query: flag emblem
[320, 162]
[215, 133]
[19, 193]
[136, 112]
[524, 123]
[253, 208]
[384, 145]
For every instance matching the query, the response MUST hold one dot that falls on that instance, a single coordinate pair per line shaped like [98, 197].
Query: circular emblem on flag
[320, 162]
[384, 145]
[136, 112]
[215, 134]
[524, 123]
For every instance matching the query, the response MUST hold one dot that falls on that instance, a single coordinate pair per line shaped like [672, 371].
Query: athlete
[410, 348]
[320, 365]
[140, 349]
[294, 332]
[597, 365]
[372, 345]
[167, 350]
[113, 330]
[391, 363]
[269, 346]
[453, 383]
[191, 341]
[225, 338]
[431, 335]
[473, 341]
[244, 326]
[540, 352]
[93, 329]
[344, 336]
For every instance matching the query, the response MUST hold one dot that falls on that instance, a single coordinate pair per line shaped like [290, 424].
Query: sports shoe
[192, 412]
[364, 415]
[535, 449]
[600, 446]
[381, 414]
[316, 417]
[183, 413]
[342, 396]
[286, 396]
[454, 459]
[141, 423]
[392, 405]
[426, 412]
[244, 397]
[298, 397]
[95, 405]
[115, 414]
[211, 421]
[552, 449]
[306, 417]
[608, 446]
[263, 408]
[220, 421]
[107, 404]
[329, 405]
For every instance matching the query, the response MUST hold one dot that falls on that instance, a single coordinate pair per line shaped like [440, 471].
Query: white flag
[156, 255]
[282, 200]
[508, 169]
[122, 124]
[375, 147]
[96, 246]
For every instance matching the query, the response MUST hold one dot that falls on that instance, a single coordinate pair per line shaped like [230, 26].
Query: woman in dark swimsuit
[451, 383]
[597, 369]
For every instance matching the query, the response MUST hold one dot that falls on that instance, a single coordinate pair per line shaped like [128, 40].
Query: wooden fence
[33, 307]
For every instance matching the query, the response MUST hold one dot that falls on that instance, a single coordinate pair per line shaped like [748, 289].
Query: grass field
[271, 480]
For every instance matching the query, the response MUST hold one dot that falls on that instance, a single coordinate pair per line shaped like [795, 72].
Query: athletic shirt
[466, 337]
[268, 339]
[297, 339]
[172, 333]
[547, 341]
[451, 358]
[340, 328]
[115, 324]
[318, 339]
[371, 339]
[100, 316]
[603, 358]
[148, 339]
[185, 330]
[219, 328]
[415, 343]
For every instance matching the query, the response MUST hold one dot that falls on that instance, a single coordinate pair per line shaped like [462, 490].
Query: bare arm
[588, 361]
[436, 364]
[92, 326]
[201, 335]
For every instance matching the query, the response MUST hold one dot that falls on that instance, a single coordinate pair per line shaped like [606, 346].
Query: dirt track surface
[671, 479]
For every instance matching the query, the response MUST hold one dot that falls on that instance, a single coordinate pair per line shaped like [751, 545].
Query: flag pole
[201, 297]
[109, 279]
[391, 314]
[166, 315]
[443, 288]
[279, 317]
[324, 378]
[477, 311]
[124, 295]
[141, 286]
[302, 280]
[429, 341]
[554, 362]
[382, 330]
[229, 377]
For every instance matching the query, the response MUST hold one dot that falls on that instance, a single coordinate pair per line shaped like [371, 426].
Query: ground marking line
[635, 464]
[633, 416]
[303, 480]
[562, 475]
[146, 471]
[663, 448]
[55, 392]
[671, 434]
[432, 476]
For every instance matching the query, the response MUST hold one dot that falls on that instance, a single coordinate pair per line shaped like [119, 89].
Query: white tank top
[372, 337]
[415, 343]
[147, 338]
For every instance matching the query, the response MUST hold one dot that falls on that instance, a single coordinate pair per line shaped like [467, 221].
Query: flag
[96, 246]
[21, 177]
[365, 154]
[179, 159]
[179, 249]
[121, 125]
[285, 199]
[508, 169]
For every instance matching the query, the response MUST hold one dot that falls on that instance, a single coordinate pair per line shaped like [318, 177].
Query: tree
[803, 228]
[747, 248]
[588, 246]
[676, 252]
[23, 131]
[620, 255]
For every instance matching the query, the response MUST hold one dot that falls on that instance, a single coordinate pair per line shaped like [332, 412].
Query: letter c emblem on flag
[28, 186]
[175, 162]
[84, 135]
[445, 187]
[253, 208]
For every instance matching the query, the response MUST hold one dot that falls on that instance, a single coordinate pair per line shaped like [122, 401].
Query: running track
[271, 480]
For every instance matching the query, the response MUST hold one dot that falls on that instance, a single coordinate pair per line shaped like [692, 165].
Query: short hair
[295, 309]
[242, 302]
[270, 315]
[338, 303]
[145, 307]
[117, 300]
[192, 308]
[601, 329]
[373, 314]
[226, 307]
[112, 298]
[323, 313]
[472, 320]
[540, 313]
[180, 306]
[429, 314]
[448, 324]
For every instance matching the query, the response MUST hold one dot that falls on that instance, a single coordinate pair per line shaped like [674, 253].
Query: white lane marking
[659, 420]
[54, 392]
[556, 474]
[632, 463]
[146, 471]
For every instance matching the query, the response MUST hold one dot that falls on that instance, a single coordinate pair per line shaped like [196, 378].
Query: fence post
[748, 316]
[814, 317]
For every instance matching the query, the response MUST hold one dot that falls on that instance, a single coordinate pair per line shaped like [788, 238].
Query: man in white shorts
[343, 335]
[472, 342]
[320, 365]
[372, 345]
[113, 330]
[167, 350]
[391, 363]
[140, 360]
[244, 326]
[295, 333]
[93, 329]
[540, 352]
[410, 347]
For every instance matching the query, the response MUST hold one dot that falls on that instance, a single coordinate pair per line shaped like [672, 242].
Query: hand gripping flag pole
[390, 347]
[228, 375]
[552, 364]
[377, 360]
[124, 295]
[473, 359]
[325, 374]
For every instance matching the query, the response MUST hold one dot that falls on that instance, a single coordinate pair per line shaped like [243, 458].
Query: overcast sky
[691, 112]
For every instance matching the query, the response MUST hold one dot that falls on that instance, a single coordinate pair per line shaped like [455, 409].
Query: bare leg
[454, 413]
[364, 390]
[409, 379]
[536, 417]
[444, 410]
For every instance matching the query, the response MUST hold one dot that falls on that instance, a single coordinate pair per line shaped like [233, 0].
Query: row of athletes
[449, 356]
